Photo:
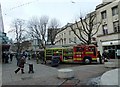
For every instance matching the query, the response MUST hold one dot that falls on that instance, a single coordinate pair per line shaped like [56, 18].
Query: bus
[75, 54]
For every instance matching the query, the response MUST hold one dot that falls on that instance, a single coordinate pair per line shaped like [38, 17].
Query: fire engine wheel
[87, 60]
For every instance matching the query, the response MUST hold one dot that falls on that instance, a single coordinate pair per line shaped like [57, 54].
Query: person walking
[21, 65]
[105, 56]
[11, 57]
[100, 57]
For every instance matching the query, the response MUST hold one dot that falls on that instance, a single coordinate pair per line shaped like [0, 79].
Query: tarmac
[46, 75]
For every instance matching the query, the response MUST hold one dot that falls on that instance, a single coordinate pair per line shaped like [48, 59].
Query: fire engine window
[92, 49]
[79, 49]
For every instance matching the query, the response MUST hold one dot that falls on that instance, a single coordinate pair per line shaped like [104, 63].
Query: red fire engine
[76, 54]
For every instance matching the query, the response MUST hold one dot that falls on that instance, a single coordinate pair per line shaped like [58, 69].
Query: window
[64, 40]
[104, 15]
[62, 35]
[69, 40]
[75, 39]
[116, 26]
[105, 30]
[115, 10]
[69, 32]
[79, 49]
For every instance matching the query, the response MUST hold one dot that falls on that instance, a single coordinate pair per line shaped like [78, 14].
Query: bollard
[31, 68]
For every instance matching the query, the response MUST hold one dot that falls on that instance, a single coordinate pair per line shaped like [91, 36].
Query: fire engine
[75, 54]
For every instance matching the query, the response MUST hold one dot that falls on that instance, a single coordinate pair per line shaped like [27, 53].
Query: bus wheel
[87, 60]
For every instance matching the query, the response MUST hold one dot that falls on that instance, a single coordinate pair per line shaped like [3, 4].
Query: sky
[63, 10]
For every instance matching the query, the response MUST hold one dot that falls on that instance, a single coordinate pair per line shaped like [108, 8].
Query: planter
[65, 73]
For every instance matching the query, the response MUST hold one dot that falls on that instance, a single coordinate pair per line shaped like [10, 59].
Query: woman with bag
[21, 65]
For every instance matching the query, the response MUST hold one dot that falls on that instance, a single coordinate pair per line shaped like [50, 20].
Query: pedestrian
[11, 57]
[21, 65]
[6, 57]
[100, 57]
[3, 57]
[17, 58]
[105, 56]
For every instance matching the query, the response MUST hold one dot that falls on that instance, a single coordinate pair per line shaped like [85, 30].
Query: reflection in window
[105, 29]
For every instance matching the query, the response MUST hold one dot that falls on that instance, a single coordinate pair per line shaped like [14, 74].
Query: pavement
[46, 75]
[111, 77]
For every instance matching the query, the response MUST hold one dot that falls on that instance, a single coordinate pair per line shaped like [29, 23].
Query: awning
[109, 43]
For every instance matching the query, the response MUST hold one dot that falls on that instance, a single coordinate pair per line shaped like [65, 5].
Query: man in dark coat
[11, 57]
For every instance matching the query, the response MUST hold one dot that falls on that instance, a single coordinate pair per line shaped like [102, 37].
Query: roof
[102, 5]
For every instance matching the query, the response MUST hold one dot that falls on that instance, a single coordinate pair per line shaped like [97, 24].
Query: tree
[18, 26]
[38, 29]
[52, 30]
[87, 28]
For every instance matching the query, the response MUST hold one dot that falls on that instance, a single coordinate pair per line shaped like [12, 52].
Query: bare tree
[87, 28]
[18, 29]
[52, 30]
[38, 29]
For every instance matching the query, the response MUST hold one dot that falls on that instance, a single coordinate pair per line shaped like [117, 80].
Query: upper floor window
[69, 32]
[104, 15]
[105, 29]
[75, 39]
[116, 26]
[115, 10]
[64, 40]
[69, 40]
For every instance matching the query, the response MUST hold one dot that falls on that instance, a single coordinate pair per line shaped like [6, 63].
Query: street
[47, 75]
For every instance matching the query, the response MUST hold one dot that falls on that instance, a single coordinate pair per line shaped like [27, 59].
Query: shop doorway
[111, 53]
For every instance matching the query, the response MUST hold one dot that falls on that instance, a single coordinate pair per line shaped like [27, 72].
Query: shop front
[113, 48]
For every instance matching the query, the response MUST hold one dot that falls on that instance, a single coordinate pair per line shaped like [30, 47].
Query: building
[66, 35]
[1, 20]
[51, 35]
[107, 37]
[24, 46]
[108, 34]
[4, 40]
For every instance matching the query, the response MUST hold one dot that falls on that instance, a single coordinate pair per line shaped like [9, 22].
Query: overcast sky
[63, 10]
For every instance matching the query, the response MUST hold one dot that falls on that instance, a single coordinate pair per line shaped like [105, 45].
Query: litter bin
[55, 61]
